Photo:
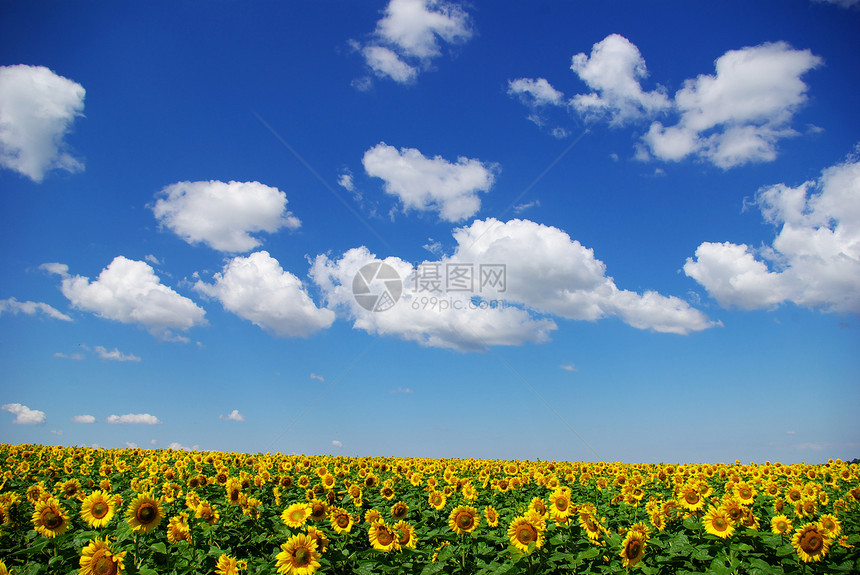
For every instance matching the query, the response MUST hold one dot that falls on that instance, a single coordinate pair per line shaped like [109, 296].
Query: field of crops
[99, 511]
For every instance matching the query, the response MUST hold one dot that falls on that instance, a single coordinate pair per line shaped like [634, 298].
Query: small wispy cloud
[812, 446]
[319, 377]
[13, 306]
[82, 419]
[520, 208]
[791, 433]
[400, 390]
[569, 367]
[152, 259]
[75, 356]
[134, 419]
[233, 416]
[115, 354]
[337, 443]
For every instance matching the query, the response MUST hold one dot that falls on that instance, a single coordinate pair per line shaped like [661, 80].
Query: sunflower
[492, 516]
[524, 531]
[233, 487]
[298, 556]
[744, 493]
[537, 504]
[559, 506]
[296, 514]
[405, 535]
[207, 512]
[3, 569]
[437, 500]
[387, 492]
[718, 522]
[319, 510]
[691, 499]
[633, 547]
[590, 525]
[98, 559]
[227, 565]
[794, 493]
[177, 529]
[340, 520]
[319, 537]
[382, 537]
[463, 519]
[98, 509]
[811, 542]
[399, 511]
[781, 525]
[831, 523]
[50, 518]
[144, 513]
[371, 516]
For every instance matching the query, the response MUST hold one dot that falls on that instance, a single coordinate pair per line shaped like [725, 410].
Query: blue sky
[672, 191]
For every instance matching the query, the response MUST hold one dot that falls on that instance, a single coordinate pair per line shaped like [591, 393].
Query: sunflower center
[561, 504]
[51, 520]
[404, 537]
[465, 521]
[812, 542]
[720, 524]
[301, 557]
[103, 565]
[342, 521]
[297, 515]
[526, 534]
[634, 548]
[147, 514]
[691, 497]
[99, 510]
[384, 537]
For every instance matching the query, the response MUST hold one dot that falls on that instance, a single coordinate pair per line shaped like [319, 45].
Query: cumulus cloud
[83, 419]
[737, 115]
[128, 291]
[337, 443]
[223, 215]
[457, 324]
[407, 38]
[115, 354]
[614, 70]
[814, 261]
[37, 110]
[24, 415]
[535, 92]
[386, 62]
[257, 289]
[549, 272]
[12, 305]
[426, 184]
[233, 416]
[134, 419]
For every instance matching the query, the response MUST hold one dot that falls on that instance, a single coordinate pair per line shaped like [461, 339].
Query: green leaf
[589, 553]
[159, 547]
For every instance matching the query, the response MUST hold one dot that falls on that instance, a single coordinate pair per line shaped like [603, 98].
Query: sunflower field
[68, 510]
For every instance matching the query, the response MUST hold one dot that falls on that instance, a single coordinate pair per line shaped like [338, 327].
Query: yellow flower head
[298, 556]
[50, 518]
[463, 519]
[144, 513]
[97, 509]
[633, 547]
[382, 537]
[524, 531]
[811, 542]
[296, 514]
[98, 559]
[717, 521]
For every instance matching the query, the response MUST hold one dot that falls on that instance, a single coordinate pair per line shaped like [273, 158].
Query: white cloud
[337, 443]
[411, 30]
[430, 184]
[233, 416]
[386, 62]
[318, 377]
[345, 181]
[840, 3]
[12, 305]
[24, 415]
[131, 445]
[37, 110]
[128, 291]
[614, 70]
[405, 390]
[549, 272]
[739, 114]
[535, 92]
[133, 418]
[75, 356]
[223, 215]
[257, 289]
[83, 419]
[456, 324]
[55, 268]
[115, 354]
[58, 432]
[152, 259]
[569, 367]
[814, 261]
